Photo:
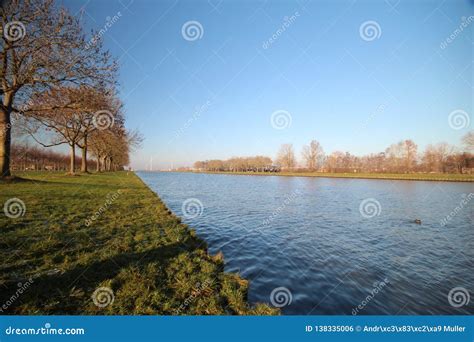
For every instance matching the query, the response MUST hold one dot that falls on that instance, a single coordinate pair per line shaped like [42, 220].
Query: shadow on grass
[16, 179]
[51, 293]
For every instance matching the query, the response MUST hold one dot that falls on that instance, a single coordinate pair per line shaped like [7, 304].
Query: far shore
[434, 177]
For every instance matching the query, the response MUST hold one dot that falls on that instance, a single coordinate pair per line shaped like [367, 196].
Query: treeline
[26, 157]
[402, 157]
[255, 164]
[58, 87]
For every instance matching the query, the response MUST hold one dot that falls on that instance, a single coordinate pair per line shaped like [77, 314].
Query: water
[308, 235]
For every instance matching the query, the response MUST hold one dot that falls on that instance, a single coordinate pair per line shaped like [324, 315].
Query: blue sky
[349, 93]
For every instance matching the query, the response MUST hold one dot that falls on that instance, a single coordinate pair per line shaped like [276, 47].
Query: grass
[107, 230]
[440, 177]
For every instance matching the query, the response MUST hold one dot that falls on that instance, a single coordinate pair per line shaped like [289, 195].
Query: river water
[335, 246]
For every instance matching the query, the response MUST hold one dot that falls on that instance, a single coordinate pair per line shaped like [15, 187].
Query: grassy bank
[109, 232]
[439, 177]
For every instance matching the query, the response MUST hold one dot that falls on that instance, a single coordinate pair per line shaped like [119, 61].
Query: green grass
[440, 177]
[153, 263]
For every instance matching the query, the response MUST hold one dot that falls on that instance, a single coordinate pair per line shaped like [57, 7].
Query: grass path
[438, 177]
[108, 232]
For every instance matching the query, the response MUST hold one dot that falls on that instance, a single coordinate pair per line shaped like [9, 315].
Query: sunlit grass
[153, 263]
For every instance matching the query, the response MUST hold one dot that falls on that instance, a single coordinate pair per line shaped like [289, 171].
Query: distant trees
[435, 157]
[409, 154]
[335, 162]
[42, 46]
[238, 164]
[402, 157]
[26, 157]
[313, 155]
[112, 147]
[286, 156]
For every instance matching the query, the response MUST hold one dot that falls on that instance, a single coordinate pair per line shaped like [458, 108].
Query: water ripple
[308, 235]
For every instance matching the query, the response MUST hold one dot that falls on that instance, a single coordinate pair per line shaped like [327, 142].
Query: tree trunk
[5, 135]
[102, 163]
[72, 165]
[98, 164]
[84, 156]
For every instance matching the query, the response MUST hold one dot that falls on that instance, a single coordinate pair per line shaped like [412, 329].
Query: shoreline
[378, 176]
[114, 234]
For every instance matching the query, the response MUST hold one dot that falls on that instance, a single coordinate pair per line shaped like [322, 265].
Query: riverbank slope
[106, 244]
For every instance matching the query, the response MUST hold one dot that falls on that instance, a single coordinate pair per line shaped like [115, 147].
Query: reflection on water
[334, 253]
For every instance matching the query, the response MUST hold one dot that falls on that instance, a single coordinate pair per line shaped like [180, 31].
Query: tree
[99, 110]
[42, 46]
[313, 155]
[402, 157]
[286, 156]
[409, 154]
[430, 159]
[112, 147]
[335, 161]
[53, 114]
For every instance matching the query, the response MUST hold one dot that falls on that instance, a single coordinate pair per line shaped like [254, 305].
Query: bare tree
[286, 156]
[335, 161]
[53, 119]
[112, 147]
[409, 154]
[431, 162]
[99, 110]
[313, 155]
[239, 164]
[42, 45]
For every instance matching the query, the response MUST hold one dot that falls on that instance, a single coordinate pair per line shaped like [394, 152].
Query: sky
[216, 79]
